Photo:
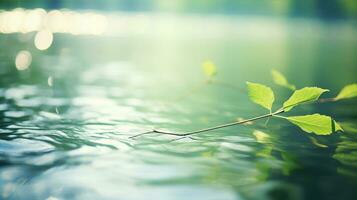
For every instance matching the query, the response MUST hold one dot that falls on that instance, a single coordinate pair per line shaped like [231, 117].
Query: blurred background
[312, 39]
[77, 78]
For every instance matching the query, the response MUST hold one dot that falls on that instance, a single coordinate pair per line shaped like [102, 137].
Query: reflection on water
[66, 119]
[346, 152]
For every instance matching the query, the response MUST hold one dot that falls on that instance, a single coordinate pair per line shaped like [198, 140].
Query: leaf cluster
[313, 123]
[347, 92]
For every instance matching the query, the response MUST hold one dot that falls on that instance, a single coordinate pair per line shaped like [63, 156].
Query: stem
[279, 116]
[325, 100]
[207, 82]
[210, 128]
[192, 90]
[221, 83]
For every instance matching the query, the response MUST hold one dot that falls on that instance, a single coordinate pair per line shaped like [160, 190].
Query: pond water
[66, 120]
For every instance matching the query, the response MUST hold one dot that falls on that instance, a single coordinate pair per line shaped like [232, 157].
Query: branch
[210, 128]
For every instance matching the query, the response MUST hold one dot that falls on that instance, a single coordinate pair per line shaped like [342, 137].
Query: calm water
[66, 120]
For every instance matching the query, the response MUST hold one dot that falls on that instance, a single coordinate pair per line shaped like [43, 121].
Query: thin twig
[210, 128]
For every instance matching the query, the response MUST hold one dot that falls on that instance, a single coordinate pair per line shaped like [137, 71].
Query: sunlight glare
[43, 39]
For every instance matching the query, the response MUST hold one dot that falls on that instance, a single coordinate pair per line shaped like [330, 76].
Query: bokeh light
[22, 20]
[50, 81]
[23, 60]
[43, 39]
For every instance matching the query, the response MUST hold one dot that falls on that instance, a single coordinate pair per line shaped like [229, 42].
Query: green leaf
[304, 95]
[316, 123]
[209, 69]
[261, 94]
[349, 91]
[280, 79]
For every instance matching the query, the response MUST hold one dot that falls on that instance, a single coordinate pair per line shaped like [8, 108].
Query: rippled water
[70, 140]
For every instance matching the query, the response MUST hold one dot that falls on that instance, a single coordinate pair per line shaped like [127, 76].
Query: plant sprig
[264, 96]
[315, 123]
